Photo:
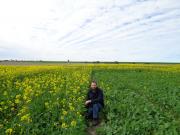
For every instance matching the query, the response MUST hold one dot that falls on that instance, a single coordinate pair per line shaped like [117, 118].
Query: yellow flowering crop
[41, 95]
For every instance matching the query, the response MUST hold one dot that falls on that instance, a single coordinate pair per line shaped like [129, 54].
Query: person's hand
[87, 102]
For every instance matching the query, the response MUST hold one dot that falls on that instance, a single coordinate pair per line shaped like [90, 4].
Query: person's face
[93, 86]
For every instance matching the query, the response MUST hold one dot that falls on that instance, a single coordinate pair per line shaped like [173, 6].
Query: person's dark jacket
[95, 96]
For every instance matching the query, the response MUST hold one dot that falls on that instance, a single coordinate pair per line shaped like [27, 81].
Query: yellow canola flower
[17, 101]
[71, 108]
[9, 131]
[18, 96]
[25, 97]
[26, 118]
[62, 117]
[29, 100]
[64, 125]
[2, 103]
[64, 112]
[79, 114]
[73, 123]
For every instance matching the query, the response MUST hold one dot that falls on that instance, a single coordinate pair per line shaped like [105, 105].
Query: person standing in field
[94, 102]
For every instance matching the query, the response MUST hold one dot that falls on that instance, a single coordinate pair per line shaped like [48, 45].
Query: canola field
[140, 99]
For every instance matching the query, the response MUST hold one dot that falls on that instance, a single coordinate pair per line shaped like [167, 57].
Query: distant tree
[96, 61]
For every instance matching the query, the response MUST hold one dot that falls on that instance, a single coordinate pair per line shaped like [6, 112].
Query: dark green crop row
[140, 102]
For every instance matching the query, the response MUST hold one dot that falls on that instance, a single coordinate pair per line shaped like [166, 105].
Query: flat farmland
[140, 99]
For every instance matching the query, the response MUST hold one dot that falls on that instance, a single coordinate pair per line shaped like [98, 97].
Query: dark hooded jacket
[96, 96]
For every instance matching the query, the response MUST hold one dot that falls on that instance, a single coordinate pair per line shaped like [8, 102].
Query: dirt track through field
[91, 130]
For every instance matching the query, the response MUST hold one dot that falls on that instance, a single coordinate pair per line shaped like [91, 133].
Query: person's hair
[93, 81]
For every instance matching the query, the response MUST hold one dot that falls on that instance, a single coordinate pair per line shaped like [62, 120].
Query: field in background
[45, 99]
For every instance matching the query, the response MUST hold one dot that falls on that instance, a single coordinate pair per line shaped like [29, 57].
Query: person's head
[93, 85]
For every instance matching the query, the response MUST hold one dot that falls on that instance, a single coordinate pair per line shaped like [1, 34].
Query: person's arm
[87, 99]
[87, 96]
[99, 98]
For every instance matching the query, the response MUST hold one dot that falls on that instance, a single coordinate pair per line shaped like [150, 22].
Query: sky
[90, 30]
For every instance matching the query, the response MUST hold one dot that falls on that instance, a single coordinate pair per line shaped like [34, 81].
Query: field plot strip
[132, 105]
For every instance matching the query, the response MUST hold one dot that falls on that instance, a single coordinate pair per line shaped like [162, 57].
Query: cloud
[109, 30]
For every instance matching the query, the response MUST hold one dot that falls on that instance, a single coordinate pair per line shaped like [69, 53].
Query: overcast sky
[105, 30]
